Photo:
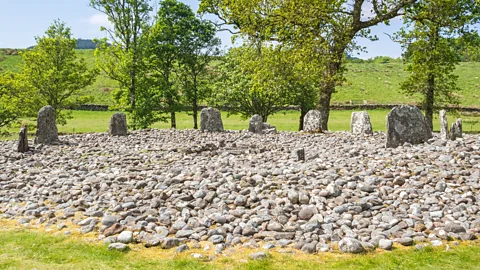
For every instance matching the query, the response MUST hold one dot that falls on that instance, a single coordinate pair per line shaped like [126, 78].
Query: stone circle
[167, 188]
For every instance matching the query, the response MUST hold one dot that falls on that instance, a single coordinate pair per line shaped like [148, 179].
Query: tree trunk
[303, 112]
[195, 103]
[327, 86]
[195, 114]
[429, 100]
[173, 119]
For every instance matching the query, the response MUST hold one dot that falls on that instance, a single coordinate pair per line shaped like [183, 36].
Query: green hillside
[377, 83]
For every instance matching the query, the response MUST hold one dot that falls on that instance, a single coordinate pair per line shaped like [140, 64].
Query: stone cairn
[23, 140]
[118, 125]
[406, 124]
[257, 126]
[456, 131]
[443, 125]
[211, 120]
[312, 122]
[47, 131]
[360, 123]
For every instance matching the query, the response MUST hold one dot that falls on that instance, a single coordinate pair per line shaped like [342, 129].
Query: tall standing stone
[443, 125]
[23, 140]
[312, 122]
[406, 124]
[456, 131]
[118, 125]
[360, 123]
[211, 120]
[47, 131]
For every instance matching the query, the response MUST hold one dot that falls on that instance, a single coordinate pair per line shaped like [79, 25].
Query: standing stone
[360, 123]
[118, 125]
[23, 140]
[312, 122]
[211, 120]
[406, 124]
[257, 125]
[456, 130]
[299, 154]
[47, 131]
[443, 125]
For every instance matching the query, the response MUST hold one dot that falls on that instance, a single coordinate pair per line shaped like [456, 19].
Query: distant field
[375, 82]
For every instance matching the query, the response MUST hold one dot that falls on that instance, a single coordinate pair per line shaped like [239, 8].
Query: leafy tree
[200, 46]
[54, 71]
[172, 21]
[325, 29]
[124, 59]
[251, 82]
[431, 26]
[16, 98]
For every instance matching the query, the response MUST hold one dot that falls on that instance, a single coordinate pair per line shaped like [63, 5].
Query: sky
[22, 20]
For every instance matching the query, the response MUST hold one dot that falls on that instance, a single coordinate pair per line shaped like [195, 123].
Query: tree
[200, 46]
[325, 29]
[170, 40]
[251, 81]
[123, 60]
[17, 99]
[54, 71]
[430, 33]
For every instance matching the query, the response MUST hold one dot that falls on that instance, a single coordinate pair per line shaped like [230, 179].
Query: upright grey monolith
[211, 120]
[312, 122]
[406, 124]
[47, 131]
[443, 125]
[23, 140]
[360, 123]
[118, 125]
[256, 125]
[456, 130]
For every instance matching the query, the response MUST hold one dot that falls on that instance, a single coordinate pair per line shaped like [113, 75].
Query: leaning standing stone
[211, 120]
[23, 140]
[118, 125]
[406, 124]
[312, 121]
[443, 125]
[456, 130]
[360, 123]
[47, 131]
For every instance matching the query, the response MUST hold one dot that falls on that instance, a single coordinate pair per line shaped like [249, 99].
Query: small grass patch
[24, 249]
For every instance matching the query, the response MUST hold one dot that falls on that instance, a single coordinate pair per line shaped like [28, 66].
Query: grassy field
[30, 249]
[88, 121]
[378, 83]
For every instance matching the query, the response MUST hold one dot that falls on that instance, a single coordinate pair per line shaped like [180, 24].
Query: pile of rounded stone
[173, 188]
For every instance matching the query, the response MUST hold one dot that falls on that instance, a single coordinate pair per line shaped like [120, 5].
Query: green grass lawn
[89, 121]
[23, 249]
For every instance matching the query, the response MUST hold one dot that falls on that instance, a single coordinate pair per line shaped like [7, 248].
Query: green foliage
[124, 59]
[54, 71]
[430, 28]
[317, 30]
[16, 98]
[262, 80]
[167, 41]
